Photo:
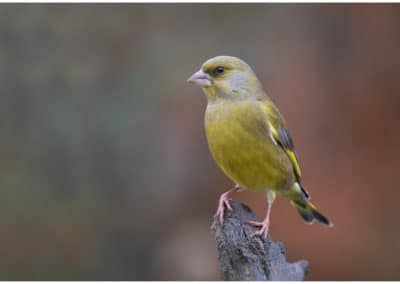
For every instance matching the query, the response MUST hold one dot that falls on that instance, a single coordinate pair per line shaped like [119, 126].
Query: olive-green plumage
[240, 142]
[247, 135]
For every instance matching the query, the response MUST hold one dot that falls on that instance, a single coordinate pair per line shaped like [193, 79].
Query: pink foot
[224, 201]
[263, 232]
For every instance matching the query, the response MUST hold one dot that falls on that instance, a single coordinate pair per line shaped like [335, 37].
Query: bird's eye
[218, 70]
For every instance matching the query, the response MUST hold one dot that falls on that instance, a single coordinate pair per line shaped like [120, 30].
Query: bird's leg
[264, 224]
[224, 201]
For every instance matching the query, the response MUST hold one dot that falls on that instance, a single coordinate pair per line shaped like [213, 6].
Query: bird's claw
[223, 201]
[227, 204]
[263, 232]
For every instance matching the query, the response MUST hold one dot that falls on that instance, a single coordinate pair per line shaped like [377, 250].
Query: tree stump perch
[243, 256]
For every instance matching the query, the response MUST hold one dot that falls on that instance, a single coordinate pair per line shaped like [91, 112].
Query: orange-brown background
[104, 168]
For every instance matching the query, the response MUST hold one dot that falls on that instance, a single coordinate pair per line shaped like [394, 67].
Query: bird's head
[227, 77]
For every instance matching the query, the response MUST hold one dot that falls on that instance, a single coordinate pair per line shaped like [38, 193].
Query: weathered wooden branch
[243, 256]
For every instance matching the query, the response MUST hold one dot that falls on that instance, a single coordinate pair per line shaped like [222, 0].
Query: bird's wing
[281, 134]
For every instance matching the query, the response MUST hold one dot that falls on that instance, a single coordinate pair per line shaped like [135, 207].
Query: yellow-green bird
[248, 138]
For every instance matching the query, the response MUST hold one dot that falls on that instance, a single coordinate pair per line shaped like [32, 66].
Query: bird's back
[240, 142]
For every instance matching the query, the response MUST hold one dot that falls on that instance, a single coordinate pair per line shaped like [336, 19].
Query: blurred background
[105, 172]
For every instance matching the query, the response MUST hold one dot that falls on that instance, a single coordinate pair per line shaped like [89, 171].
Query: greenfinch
[249, 140]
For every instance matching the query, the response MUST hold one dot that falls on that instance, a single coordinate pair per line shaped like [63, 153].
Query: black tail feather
[309, 212]
[321, 218]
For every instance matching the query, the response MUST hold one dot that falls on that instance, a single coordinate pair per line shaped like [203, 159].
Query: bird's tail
[305, 208]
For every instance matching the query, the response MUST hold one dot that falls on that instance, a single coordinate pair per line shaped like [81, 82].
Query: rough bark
[243, 256]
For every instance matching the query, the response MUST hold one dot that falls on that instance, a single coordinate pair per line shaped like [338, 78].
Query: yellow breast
[240, 142]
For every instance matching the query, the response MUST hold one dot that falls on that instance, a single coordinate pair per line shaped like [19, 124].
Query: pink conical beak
[200, 79]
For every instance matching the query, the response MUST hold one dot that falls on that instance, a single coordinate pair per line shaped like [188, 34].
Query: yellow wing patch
[281, 134]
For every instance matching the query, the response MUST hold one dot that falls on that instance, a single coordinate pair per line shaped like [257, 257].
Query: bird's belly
[241, 145]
